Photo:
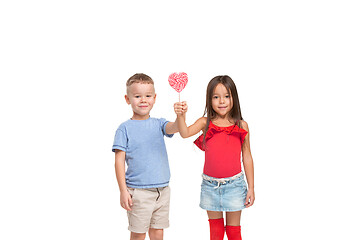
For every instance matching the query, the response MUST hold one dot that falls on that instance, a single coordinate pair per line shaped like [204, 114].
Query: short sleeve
[199, 142]
[243, 134]
[120, 140]
[163, 123]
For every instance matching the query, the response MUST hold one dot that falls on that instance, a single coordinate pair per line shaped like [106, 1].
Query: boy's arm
[172, 127]
[125, 197]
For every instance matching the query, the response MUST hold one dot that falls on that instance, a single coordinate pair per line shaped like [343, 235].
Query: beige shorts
[150, 209]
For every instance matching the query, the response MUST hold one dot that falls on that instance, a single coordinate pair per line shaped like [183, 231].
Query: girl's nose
[222, 100]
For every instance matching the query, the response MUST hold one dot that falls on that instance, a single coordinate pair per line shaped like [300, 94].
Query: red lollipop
[178, 81]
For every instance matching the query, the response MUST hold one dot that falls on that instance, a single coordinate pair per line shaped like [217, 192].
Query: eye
[215, 97]
[137, 96]
[227, 96]
[148, 96]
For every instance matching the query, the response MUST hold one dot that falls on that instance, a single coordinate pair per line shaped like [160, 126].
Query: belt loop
[157, 189]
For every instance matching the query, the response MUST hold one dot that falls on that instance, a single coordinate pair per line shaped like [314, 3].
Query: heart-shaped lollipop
[178, 81]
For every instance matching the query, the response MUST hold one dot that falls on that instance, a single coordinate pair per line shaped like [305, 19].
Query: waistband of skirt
[222, 180]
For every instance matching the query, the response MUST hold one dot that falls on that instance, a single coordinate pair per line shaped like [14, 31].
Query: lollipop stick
[179, 97]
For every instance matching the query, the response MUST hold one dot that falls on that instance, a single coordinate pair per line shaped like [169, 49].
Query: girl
[225, 136]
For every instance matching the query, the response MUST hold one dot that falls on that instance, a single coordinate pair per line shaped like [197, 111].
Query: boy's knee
[156, 234]
[137, 236]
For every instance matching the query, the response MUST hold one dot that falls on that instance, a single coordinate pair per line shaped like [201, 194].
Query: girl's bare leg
[214, 215]
[233, 229]
[233, 218]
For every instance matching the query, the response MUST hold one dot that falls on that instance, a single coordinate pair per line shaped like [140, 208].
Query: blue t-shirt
[145, 151]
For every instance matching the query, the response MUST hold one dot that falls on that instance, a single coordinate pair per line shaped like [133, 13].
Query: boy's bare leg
[137, 236]
[156, 234]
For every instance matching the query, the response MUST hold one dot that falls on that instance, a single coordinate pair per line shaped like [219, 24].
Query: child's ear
[155, 97]
[127, 99]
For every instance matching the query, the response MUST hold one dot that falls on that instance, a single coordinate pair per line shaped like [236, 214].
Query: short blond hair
[139, 78]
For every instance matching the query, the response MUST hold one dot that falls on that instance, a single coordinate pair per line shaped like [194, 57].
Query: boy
[139, 141]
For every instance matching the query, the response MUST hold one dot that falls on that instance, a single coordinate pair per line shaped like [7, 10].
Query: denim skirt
[223, 194]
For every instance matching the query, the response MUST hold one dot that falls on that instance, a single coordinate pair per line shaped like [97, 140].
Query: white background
[63, 68]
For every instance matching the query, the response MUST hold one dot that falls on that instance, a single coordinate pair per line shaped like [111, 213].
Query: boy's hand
[125, 200]
[180, 108]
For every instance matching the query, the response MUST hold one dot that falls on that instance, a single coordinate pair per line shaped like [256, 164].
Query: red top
[222, 150]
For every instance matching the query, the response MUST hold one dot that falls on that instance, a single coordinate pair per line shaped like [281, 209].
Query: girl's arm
[248, 166]
[173, 127]
[185, 131]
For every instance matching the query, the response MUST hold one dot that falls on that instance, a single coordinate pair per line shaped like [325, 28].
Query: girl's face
[222, 101]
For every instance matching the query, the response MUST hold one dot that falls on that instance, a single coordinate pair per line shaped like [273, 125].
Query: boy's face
[142, 97]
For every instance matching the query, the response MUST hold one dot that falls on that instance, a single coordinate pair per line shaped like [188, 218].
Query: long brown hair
[235, 112]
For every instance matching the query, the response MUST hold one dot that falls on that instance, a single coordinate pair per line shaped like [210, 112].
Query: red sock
[217, 229]
[233, 232]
